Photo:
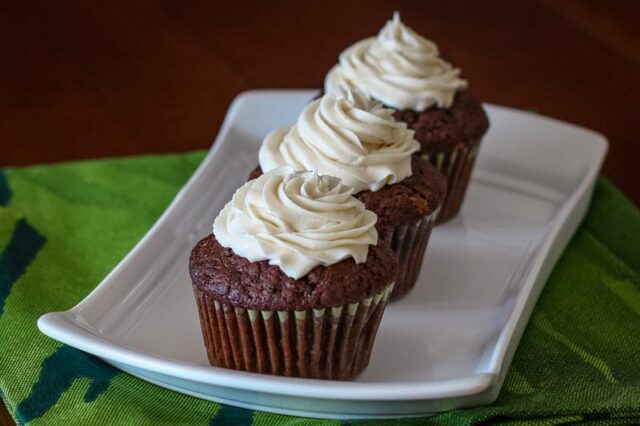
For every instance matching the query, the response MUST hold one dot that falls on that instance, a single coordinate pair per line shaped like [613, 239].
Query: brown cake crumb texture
[233, 279]
[407, 201]
[442, 129]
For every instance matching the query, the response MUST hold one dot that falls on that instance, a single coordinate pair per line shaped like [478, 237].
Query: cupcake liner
[456, 165]
[409, 243]
[329, 343]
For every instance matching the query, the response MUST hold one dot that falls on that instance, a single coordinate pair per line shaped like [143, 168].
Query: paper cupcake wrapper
[456, 165]
[409, 243]
[329, 343]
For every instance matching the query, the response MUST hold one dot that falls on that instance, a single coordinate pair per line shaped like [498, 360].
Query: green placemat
[64, 227]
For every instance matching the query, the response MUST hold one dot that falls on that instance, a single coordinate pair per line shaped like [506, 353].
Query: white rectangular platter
[446, 345]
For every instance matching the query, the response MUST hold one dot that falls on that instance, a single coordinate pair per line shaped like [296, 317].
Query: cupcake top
[348, 135]
[415, 197]
[235, 280]
[399, 67]
[442, 130]
[297, 221]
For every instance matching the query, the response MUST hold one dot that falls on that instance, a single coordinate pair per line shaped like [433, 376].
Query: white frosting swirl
[399, 68]
[344, 134]
[296, 220]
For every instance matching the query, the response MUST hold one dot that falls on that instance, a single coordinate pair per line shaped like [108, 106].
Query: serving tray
[448, 344]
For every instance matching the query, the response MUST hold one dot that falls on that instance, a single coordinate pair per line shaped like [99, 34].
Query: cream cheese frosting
[399, 67]
[296, 220]
[348, 135]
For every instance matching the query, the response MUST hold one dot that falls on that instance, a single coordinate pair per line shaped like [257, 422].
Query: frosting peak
[296, 220]
[348, 135]
[399, 68]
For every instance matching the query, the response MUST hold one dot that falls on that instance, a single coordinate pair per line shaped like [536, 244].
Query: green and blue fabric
[64, 227]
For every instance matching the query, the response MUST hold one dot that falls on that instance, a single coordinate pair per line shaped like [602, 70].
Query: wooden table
[83, 80]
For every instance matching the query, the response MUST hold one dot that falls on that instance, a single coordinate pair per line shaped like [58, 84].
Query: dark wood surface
[84, 80]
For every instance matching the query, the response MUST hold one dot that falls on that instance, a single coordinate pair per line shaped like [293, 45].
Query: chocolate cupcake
[292, 281]
[346, 134]
[405, 72]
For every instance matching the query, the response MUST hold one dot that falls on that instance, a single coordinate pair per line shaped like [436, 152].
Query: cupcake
[348, 135]
[292, 281]
[405, 72]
